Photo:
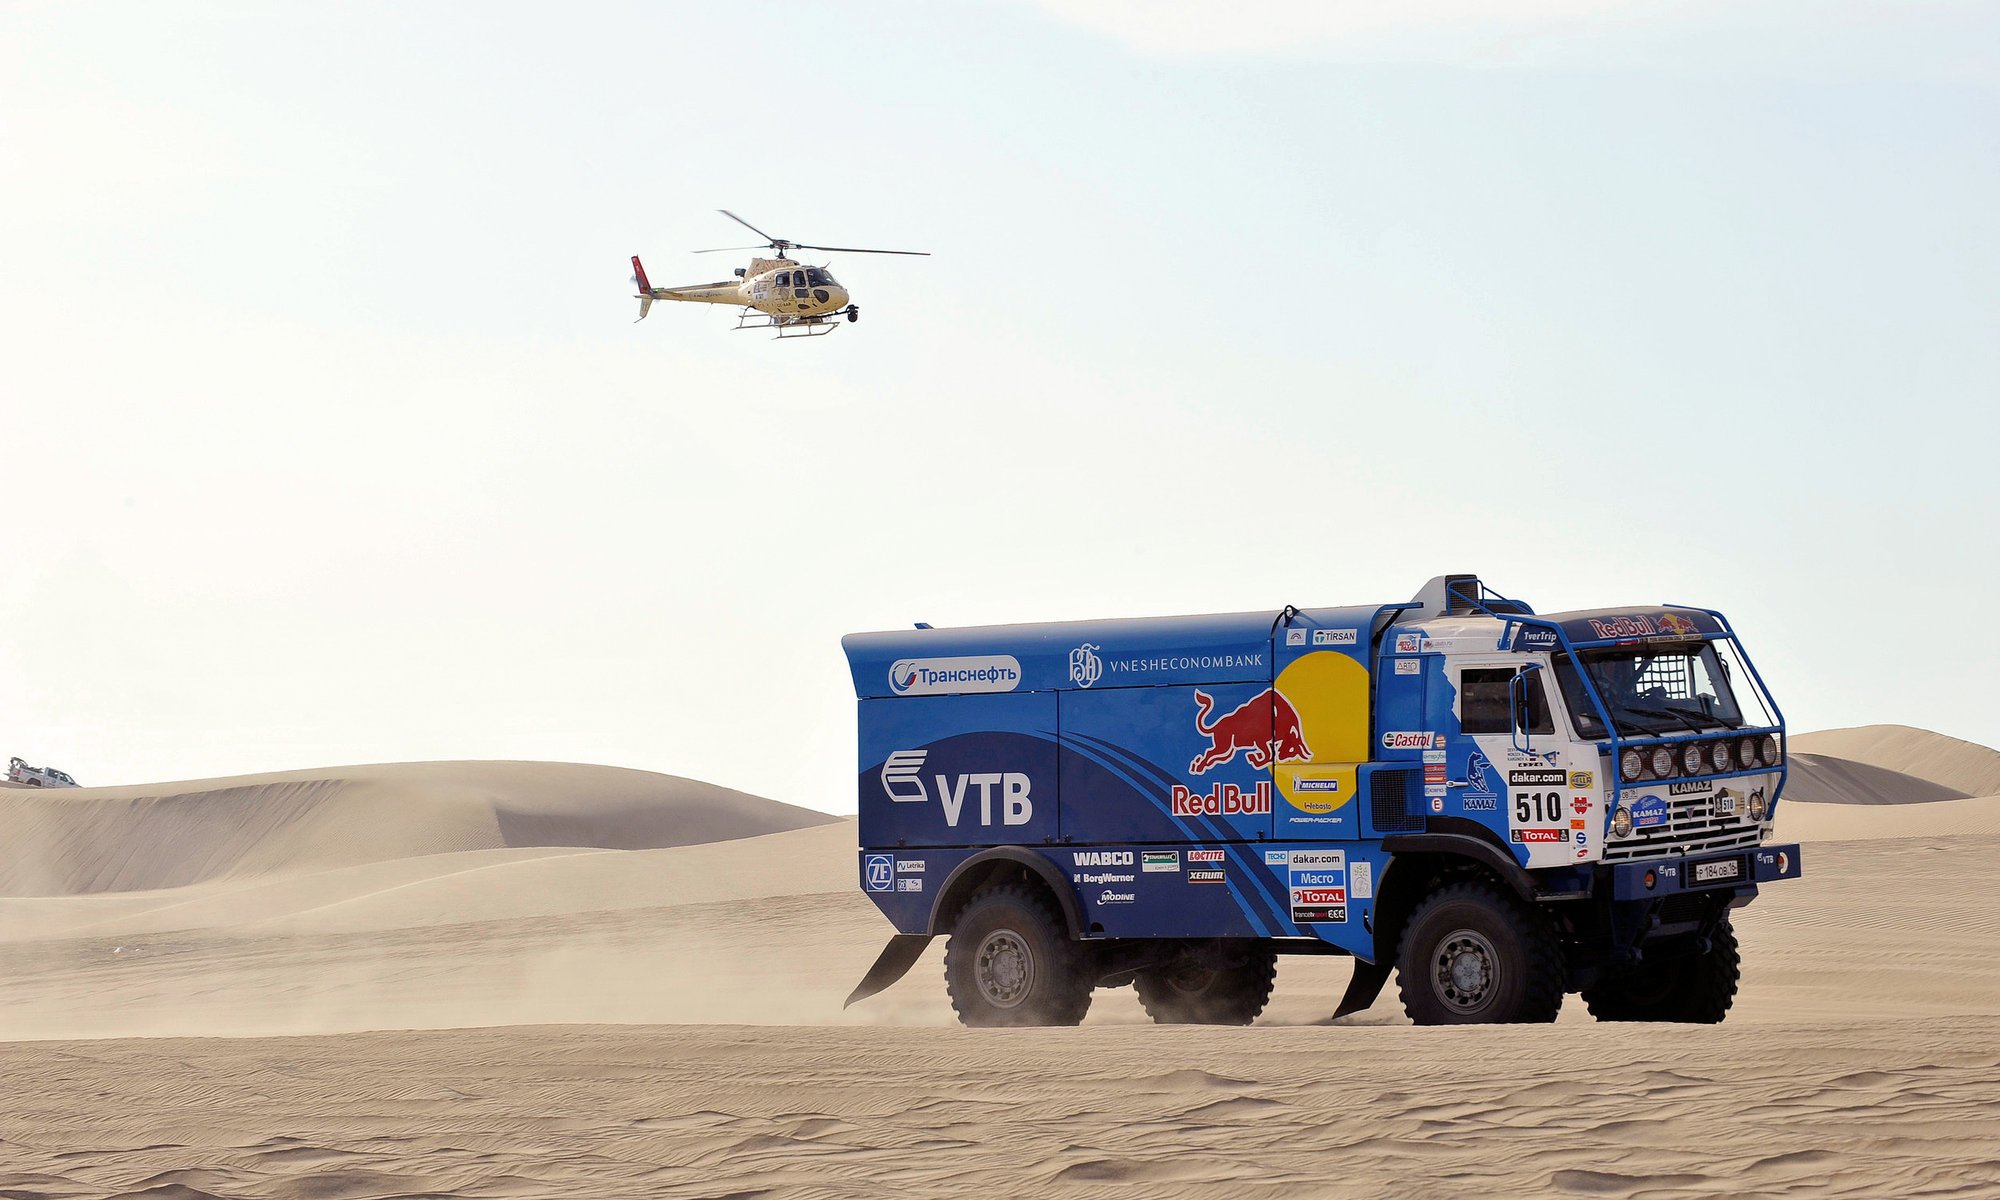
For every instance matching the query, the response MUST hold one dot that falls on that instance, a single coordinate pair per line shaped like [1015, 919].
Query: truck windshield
[1652, 690]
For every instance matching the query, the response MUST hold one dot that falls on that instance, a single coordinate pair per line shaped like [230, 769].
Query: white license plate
[1709, 872]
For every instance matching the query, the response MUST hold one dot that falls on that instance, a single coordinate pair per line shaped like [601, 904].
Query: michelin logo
[945, 676]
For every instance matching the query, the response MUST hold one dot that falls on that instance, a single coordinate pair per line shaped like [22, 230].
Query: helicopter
[776, 293]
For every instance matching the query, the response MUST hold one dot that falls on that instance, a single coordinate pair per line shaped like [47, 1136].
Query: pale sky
[329, 437]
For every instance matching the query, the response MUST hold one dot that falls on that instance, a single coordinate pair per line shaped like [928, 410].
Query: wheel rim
[1466, 972]
[1004, 969]
[1188, 979]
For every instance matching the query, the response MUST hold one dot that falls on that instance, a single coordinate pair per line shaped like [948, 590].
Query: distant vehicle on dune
[21, 772]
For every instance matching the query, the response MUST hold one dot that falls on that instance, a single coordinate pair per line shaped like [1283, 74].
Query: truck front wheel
[1010, 962]
[1695, 990]
[1475, 955]
[1190, 992]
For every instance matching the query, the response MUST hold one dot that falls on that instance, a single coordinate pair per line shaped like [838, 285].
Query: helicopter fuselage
[778, 287]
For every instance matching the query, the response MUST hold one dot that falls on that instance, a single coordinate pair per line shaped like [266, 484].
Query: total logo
[903, 782]
[1266, 726]
[1223, 800]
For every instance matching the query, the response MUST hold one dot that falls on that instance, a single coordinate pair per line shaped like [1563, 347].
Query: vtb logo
[1266, 725]
[903, 782]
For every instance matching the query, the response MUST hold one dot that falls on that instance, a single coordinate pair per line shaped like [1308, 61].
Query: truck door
[1506, 772]
[1321, 733]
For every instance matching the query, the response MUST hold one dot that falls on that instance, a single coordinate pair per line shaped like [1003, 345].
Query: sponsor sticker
[1206, 875]
[1581, 804]
[1409, 643]
[1361, 879]
[1223, 800]
[946, 676]
[1481, 802]
[1649, 812]
[1101, 858]
[1277, 858]
[1295, 637]
[1434, 773]
[902, 776]
[1541, 779]
[1578, 823]
[1152, 861]
[1409, 666]
[909, 866]
[1582, 781]
[880, 872]
[1205, 856]
[1085, 668]
[1409, 740]
[1315, 785]
[909, 885]
[1582, 839]
[1725, 803]
[1103, 877]
[1437, 803]
[1111, 897]
[1433, 756]
[1534, 637]
[1690, 787]
[1533, 837]
[1434, 789]
[1335, 637]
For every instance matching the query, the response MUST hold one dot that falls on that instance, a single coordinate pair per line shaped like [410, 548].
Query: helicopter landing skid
[788, 327]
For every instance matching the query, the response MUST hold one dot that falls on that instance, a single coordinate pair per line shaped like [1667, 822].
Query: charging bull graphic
[1266, 725]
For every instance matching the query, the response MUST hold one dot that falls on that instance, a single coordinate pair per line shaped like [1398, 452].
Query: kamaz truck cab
[1503, 806]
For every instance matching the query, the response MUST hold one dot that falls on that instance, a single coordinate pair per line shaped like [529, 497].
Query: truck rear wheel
[1473, 954]
[1695, 990]
[1190, 992]
[1010, 962]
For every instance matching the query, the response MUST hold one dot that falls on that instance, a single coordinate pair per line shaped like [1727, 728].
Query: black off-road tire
[1189, 994]
[1010, 962]
[1694, 990]
[1476, 954]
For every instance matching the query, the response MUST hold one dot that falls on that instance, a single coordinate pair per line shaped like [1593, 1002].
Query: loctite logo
[1223, 800]
[1204, 856]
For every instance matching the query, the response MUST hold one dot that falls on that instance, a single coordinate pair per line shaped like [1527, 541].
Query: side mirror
[1520, 733]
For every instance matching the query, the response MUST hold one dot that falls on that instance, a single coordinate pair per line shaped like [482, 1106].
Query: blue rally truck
[1503, 806]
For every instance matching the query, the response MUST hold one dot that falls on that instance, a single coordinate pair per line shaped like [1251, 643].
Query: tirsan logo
[939, 676]
[1224, 800]
[903, 782]
[1085, 668]
[1409, 741]
[1266, 725]
[1102, 858]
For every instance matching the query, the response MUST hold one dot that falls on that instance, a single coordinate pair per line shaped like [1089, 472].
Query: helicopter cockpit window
[784, 279]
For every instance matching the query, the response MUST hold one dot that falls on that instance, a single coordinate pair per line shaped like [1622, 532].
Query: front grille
[1392, 802]
[1692, 824]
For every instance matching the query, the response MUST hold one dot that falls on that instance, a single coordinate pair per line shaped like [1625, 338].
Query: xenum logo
[1085, 668]
[901, 777]
[945, 676]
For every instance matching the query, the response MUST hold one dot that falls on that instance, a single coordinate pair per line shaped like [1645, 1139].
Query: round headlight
[1663, 762]
[1767, 750]
[1757, 806]
[1621, 822]
[1746, 753]
[1691, 758]
[1631, 765]
[1720, 758]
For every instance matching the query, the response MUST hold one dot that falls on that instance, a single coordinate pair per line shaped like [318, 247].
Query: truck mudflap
[1653, 878]
[895, 961]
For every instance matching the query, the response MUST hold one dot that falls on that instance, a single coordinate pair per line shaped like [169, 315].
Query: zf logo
[880, 871]
[903, 782]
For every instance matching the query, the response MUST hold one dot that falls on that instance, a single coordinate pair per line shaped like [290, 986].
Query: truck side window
[1482, 701]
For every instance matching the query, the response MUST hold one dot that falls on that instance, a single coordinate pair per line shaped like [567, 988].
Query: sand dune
[664, 1018]
[1963, 767]
[137, 838]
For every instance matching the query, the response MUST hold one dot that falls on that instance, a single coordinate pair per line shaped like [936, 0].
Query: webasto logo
[935, 676]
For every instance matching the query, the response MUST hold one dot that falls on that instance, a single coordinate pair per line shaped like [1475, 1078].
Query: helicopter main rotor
[783, 244]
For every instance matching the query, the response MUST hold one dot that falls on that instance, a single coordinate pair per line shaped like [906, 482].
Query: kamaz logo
[903, 782]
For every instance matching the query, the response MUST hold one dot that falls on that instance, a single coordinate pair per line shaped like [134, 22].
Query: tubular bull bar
[1650, 879]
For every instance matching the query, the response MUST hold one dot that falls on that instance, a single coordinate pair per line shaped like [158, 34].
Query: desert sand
[512, 979]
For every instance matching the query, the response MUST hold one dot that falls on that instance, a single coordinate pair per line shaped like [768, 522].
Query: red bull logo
[1266, 727]
[1223, 800]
